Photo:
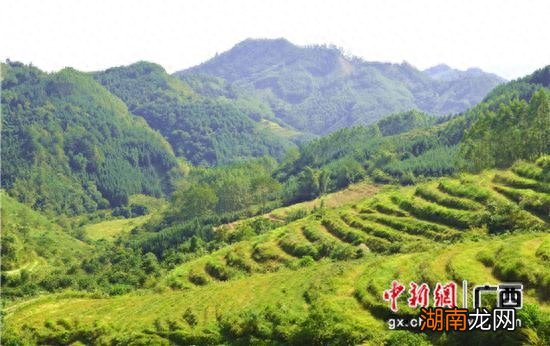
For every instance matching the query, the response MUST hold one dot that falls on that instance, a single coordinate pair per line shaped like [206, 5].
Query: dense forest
[69, 146]
[101, 167]
[203, 130]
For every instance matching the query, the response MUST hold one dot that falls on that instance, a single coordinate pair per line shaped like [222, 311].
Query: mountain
[205, 130]
[224, 262]
[70, 146]
[406, 146]
[318, 89]
[445, 73]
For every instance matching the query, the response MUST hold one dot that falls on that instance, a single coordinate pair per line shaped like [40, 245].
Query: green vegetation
[318, 90]
[485, 141]
[72, 147]
[320, 277]
[404, 147]
[33, 247]
[110, 229]
[203, 130]
[108, 237]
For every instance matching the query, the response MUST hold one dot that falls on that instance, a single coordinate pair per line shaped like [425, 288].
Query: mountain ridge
[319, 89]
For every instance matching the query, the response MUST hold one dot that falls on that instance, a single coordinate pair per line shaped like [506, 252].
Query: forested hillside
[319, 90]
[511, 123]
[204, 130]
[405, 148]
[69, 146]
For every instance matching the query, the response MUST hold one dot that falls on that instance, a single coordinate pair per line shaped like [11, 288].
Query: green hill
[33, 246]
[70, 146]
[205, 130]
[320, 279]
[318, 89]
[233, 257]
[407, 146]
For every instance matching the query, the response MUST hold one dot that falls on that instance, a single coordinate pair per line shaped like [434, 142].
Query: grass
[110, 229]
[355, 287]
[30, 241]
[512, 180]
[140, 309]
[430, 193]
[342, 257]
[350, 195]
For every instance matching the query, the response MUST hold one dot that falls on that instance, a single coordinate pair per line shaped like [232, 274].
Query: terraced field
[406, 220]
[468, 228]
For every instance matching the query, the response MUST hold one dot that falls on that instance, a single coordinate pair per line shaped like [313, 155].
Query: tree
[193, 201]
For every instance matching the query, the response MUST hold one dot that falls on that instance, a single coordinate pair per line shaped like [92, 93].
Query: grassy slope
[110, 229]
[352, 194]
[36, 242]
[430, 231]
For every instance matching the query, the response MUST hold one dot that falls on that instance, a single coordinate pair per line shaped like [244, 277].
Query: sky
[509, 38]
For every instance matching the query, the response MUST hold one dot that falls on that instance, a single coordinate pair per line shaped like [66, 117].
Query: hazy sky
[510, 38]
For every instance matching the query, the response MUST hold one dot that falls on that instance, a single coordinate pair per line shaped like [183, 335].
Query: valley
[269, 195]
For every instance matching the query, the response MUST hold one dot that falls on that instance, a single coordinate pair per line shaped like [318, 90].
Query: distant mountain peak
[444, 72]
[266, 42]
[438, 68]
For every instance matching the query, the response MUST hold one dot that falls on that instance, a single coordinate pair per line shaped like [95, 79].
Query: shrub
[296, 214]
[381, 177]
[342, 231]
[415, 227]
[263, 252]
[138, 209]
[502, 217]
[466, 190]
[528, 170]
[370, 228]
[434, 212]
[386, 207]
[486, 257]
[512, 180]
[328, 247]
[543, 251]
[324, 326]
[404, 338]
[436, 196]
[297, 247]
[218, 270]
[198, 278]
[238, 259]
[407, 178]
[512, 268]
[190, 317]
